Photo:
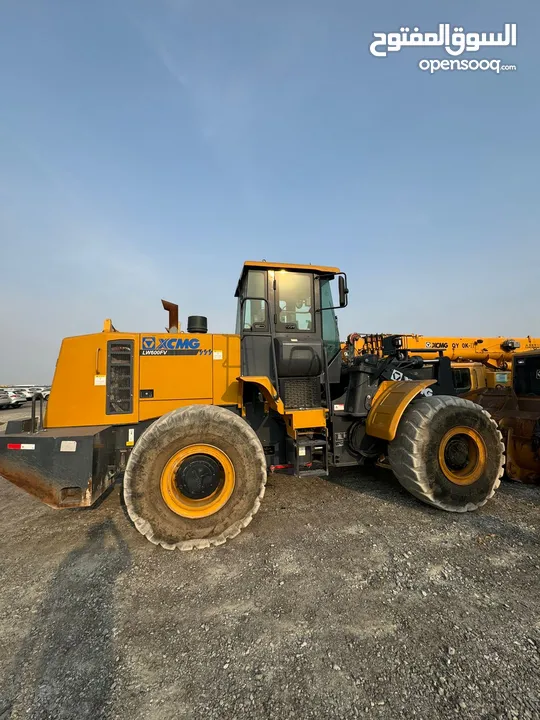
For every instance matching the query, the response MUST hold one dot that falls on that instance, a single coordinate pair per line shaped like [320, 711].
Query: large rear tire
[195, 478]
[448, 452]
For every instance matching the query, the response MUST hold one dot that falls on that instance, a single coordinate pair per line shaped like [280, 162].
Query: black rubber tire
[413, 454]
[185, 426]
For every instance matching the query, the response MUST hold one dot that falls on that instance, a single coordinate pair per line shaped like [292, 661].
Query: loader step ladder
[305, 446]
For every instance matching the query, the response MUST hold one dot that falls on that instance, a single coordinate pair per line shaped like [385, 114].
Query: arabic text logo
[455, 43]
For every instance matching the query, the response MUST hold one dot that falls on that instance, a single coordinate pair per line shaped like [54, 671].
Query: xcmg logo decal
[437, 345]
[174, 343]
[151, 345]
[398, 375]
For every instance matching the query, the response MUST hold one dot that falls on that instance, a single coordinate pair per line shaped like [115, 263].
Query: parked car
[5, 400]
[31, 391]
[17, 397]
[45, 391]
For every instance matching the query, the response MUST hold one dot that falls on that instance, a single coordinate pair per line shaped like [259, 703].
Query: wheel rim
[462, 455]
[197, 481]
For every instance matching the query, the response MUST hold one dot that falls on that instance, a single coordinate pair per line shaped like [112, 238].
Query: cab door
[253, 326]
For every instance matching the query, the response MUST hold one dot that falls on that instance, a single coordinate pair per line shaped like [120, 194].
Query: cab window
[253, 308]
[330, 331]
[462, 380]
[527, 376]
[294, 300]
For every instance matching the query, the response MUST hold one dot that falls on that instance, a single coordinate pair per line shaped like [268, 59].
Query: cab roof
[264, 265]
[527, 353]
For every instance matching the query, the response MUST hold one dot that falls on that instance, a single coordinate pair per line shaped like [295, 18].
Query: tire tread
[189, 416]
[412, 433]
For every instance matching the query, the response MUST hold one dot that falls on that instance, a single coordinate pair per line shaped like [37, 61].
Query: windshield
[294, 301]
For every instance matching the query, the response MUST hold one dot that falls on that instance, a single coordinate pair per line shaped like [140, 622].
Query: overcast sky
[149, 147]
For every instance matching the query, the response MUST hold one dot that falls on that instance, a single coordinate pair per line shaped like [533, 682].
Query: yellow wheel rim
[462, 455]
[195, 470]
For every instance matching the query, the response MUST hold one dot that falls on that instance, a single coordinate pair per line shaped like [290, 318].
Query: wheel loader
[194, 421]
[517, 411]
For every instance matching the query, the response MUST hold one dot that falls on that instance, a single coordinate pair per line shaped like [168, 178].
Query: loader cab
[527, 374]
[288, 328]
[526, 381]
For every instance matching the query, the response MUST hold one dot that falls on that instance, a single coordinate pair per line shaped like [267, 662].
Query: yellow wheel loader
[195, 421]
[517, 411]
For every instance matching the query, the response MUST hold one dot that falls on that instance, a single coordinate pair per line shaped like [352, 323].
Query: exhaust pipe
[172, 309]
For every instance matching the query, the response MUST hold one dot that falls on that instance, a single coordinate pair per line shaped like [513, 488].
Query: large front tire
[195, 478]
[448, 452]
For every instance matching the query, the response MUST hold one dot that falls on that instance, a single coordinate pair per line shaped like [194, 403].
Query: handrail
[327, 391]
[33, 428]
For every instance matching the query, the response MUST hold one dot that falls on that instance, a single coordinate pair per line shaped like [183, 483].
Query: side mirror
[343, 291]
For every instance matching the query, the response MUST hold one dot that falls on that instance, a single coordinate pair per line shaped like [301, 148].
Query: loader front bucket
[62, 467]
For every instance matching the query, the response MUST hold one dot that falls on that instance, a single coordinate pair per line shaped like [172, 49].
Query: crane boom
[495, 352]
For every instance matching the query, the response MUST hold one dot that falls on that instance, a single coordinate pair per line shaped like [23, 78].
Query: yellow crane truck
[477, 363]
[194, 420]
[493, 352]
[471, 376]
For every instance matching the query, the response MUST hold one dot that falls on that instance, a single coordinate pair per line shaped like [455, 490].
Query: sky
[149, 147]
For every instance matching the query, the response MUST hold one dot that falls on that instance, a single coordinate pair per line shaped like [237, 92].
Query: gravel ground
[342, 599]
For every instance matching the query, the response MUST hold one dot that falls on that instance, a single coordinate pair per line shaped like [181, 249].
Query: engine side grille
[119, 377]
[301, 393]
